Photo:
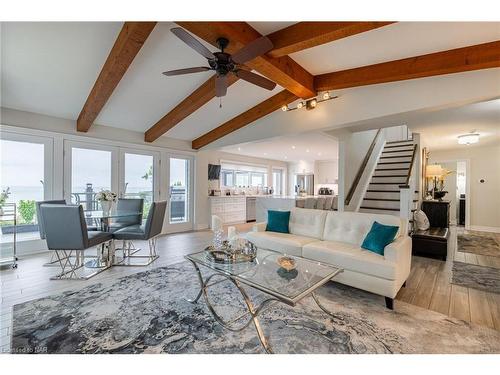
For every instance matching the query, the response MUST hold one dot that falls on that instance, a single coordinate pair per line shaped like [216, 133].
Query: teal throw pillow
[277, 221]
[379, 237]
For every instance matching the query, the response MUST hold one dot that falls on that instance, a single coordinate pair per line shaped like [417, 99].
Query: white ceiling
[306, 146]
[394, 42]
[440, 129]
[49, 68]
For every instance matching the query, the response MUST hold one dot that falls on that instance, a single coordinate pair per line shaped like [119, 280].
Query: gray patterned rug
[477, 277]
[481, 244]
[147, 313]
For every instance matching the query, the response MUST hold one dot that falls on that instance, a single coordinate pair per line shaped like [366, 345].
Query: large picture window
[239, 175]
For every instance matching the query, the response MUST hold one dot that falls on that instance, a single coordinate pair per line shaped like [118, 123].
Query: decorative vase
[106, 206]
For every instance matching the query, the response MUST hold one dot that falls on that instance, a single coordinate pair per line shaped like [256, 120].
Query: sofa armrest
[259, 227]
[399, 251]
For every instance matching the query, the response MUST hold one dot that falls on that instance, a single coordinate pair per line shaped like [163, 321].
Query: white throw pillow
[421, 220]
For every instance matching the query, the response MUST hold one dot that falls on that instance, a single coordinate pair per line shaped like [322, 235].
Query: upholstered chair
[67, 235]
[146, 232]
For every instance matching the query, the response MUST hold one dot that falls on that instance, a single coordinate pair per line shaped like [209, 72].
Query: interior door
[139, 176]
[179, 193]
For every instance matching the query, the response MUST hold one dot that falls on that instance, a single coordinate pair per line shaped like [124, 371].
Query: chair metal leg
[65, 260]
[129, 256]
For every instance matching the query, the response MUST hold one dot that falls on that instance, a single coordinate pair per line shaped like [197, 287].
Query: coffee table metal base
[252, 310]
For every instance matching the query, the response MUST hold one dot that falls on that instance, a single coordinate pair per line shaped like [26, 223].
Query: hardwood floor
[428, 285]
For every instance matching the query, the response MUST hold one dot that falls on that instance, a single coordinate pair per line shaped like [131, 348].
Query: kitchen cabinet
[231, 209]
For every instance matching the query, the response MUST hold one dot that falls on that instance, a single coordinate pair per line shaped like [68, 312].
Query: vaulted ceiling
[51, 68]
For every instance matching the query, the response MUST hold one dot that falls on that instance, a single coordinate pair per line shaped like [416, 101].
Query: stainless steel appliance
[251, 215]
[304, 183]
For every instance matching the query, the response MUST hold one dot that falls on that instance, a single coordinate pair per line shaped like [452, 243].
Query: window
[237, 175]
[25, 177]
[278, 181]
[90, 173]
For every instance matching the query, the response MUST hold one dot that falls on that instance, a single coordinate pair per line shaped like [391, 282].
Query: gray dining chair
[147, 232]
[310, 203]
[53, 261]
[328, 203]
[131, 205]
[66, 234]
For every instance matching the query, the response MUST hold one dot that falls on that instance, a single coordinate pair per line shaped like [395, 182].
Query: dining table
[103, 220]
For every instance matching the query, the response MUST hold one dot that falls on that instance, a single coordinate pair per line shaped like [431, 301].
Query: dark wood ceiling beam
[481, 56]
[304, 35]
[130, 40]
[194, 101]
[260, 110]
[284, 70]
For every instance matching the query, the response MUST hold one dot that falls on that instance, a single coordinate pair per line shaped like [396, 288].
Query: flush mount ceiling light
[310, 103]
[468, 139]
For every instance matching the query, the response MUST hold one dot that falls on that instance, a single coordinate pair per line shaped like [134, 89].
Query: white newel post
[404, 202]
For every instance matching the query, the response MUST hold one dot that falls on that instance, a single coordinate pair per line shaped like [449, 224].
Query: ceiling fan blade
[186, 71]
[256, 79]
[253, 49]
[192, 42]
[220, 86]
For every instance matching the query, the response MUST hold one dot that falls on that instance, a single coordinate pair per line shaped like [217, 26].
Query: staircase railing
[406, 190]
[361, 169]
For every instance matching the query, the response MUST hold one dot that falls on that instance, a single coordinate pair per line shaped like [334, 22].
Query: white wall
[205, 157]
[37, 121]
[484, 197]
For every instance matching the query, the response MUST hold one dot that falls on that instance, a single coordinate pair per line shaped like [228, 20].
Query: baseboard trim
[202, 226]
[485, 229]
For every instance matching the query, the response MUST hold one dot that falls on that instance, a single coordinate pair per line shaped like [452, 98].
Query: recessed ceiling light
[239, 148]
[307, 150]
[265, 153]
[286, 157]
[293, 147]
[319, 153]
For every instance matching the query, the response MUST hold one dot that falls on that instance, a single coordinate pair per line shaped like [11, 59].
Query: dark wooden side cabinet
[438, 213]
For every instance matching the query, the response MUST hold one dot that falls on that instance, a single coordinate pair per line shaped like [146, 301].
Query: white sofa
[335, 238]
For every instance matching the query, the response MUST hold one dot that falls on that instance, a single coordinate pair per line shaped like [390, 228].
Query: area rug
[480, 244]
[147, 313]
[477, 277]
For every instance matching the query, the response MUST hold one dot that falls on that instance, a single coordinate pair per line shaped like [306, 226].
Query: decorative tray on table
[230, 255]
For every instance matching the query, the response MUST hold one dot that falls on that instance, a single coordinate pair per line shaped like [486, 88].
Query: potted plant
[439, 193]
[4, 195]
[106, 198]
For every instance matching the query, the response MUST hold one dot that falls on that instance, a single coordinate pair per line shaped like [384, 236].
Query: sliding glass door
[26, 175]
[180, 210]
[89, 169]
[139, 176]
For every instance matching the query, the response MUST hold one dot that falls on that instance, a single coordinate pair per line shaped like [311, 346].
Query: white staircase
[391, 179]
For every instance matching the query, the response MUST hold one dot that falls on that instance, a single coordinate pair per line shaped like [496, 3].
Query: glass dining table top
[99, 214]
[266, 275]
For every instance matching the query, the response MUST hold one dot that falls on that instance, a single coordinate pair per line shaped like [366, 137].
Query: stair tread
[380, 208]
[391, 169]
[394, 157]
[386, 199]
[394, 146]
[392, 142]
[391, 175]
[394, 162]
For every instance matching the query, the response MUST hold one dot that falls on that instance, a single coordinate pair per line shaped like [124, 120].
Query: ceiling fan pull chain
[220, 102]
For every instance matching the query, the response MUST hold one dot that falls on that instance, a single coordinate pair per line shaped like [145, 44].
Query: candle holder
[218, 239]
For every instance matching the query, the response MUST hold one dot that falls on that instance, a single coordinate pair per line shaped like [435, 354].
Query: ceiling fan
[224, 63]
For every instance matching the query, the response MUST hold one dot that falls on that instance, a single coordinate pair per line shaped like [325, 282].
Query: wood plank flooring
[428, 285]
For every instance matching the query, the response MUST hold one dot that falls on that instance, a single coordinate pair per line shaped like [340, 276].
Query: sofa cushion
[277, 221]
[379, 237]
[284, 243]
[350, 257]
[307, 222]
[352, 227]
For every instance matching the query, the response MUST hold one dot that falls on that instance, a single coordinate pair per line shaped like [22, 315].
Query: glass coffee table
[265, 275]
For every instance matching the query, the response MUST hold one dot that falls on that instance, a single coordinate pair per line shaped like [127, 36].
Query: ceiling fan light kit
[224, 63]
[310, 103]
